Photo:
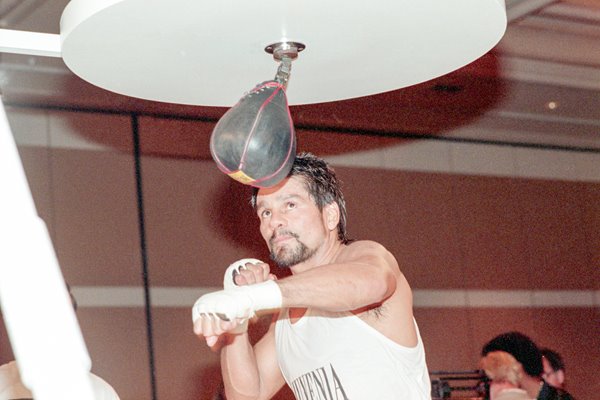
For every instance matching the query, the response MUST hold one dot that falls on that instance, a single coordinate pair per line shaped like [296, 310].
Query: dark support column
[142, 229]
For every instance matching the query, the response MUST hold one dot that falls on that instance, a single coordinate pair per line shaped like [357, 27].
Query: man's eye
[291, 205]
[265, 213]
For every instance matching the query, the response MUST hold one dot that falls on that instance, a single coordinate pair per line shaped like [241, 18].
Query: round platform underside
[211, 52]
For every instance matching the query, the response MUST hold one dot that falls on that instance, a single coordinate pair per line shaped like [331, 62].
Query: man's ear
[332, 215]
[560, 376]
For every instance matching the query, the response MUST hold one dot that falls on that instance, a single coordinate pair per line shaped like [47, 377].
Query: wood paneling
[490, 232]
[555, 234]
[118, 346]
[198, 222]
[95, 217]
[185, 367]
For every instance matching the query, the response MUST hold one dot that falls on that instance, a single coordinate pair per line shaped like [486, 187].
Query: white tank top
[327, 356]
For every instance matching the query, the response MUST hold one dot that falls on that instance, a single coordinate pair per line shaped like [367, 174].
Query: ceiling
[540, 85]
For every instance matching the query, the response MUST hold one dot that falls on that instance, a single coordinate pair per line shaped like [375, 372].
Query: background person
[554, 368]
[525, 351]
[12, 388]
[505, 374]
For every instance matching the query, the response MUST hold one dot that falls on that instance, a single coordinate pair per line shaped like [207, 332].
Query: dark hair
[555, 360]
[322, 185]
[520, 347]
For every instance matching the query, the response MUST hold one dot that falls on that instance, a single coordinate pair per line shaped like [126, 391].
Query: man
[345, 327]
[12, 387]
[527, 353]
[554, 368]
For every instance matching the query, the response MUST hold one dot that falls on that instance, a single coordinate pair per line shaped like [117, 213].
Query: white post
[38, 314]
[30, 43]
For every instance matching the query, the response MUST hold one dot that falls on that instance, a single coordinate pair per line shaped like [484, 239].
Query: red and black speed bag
[255, 142]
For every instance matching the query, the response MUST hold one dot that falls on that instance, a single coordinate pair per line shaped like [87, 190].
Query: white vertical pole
[38, 314]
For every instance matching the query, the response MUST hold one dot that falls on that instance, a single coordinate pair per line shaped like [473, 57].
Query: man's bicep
[271, 379]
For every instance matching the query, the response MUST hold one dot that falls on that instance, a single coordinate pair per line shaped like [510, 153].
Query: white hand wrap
[229, 283]
[228, 279]
[239, 302]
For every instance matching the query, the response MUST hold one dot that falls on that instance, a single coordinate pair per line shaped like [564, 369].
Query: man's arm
[251, 373]
[362, 276]
[365, 273]
[365, 276]
[248, 372]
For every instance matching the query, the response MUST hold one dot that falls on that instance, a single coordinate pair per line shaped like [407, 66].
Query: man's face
[290, 222]
[553, 378]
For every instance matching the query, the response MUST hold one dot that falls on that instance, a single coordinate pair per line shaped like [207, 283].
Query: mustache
[279, 233]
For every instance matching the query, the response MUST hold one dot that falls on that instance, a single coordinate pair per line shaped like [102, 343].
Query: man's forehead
[288, 187]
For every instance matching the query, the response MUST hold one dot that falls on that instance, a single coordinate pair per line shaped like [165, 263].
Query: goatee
[288, 257]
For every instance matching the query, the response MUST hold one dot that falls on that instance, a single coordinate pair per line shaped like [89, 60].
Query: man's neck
[532, 386]
[326, 254]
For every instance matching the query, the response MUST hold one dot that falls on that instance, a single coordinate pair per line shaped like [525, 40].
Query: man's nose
[277, 220]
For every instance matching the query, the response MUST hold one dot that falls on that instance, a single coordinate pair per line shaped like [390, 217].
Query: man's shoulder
[365, 245]
[11, 386]
[9, 366]
[551, 393]
[563, 395]
[102, 389]
[9, 373]
[366, 249]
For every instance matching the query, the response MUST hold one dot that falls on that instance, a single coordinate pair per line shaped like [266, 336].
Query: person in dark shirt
[525, 351]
